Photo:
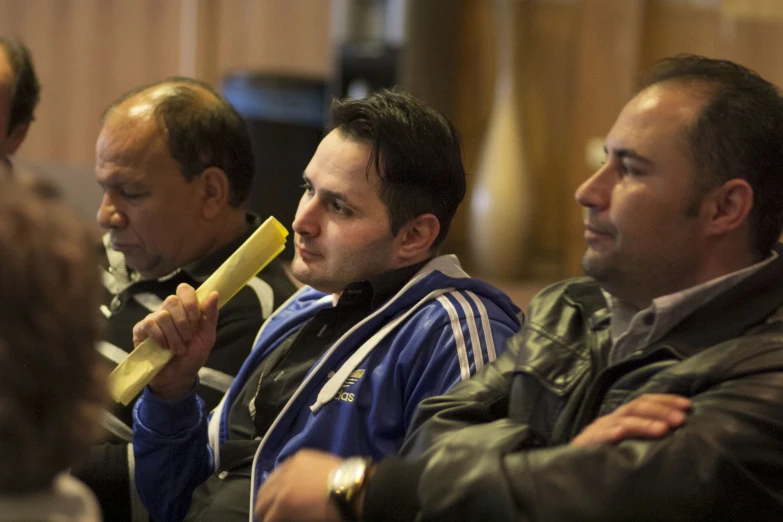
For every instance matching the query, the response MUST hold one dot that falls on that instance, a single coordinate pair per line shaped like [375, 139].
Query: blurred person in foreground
[52, 385]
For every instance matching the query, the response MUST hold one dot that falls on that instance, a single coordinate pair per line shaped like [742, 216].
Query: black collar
[380, 288]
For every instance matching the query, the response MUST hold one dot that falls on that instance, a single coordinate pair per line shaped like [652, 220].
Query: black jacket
[495, 448]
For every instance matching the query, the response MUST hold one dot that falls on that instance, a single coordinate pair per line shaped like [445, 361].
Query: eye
[132, 196]
[626, 170]
[338, 207]
[307, 188]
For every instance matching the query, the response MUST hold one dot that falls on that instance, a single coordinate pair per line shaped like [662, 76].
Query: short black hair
[738, 134]
[415, 150]
[26, 90]
[202, 132]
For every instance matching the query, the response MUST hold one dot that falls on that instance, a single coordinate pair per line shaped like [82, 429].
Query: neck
[720, 260]
[224, 230]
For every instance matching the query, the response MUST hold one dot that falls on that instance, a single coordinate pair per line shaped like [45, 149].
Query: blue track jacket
[358, 399]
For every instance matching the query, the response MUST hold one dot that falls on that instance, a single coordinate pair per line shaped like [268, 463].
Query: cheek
[158, 226]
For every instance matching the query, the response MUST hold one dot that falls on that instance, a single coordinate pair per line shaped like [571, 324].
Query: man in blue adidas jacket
[341, 366]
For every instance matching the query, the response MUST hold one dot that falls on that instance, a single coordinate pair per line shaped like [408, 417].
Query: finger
[190, 304]
[210, 314]
[613, 430]
[179, 318]
[667, 411]
[171, 334]
[210, 306]
[149, 328]
[675, 401]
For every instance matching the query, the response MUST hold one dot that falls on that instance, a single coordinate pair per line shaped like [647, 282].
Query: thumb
[210, 307]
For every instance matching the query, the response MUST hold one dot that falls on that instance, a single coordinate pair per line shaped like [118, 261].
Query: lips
[593, 231]
[117, 245]
[306, 254]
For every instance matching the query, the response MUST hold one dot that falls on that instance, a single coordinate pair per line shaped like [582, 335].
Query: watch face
[348, 475]
[345, 483]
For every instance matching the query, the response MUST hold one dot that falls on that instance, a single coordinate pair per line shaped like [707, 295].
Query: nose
[109, 216]
[306, 221]
[596, 191]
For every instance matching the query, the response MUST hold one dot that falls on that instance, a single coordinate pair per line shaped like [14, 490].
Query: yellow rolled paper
[143, 364]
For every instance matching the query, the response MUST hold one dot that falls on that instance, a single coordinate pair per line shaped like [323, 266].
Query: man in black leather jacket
[651, 389]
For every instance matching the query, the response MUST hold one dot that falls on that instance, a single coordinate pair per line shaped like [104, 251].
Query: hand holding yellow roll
[143, 364]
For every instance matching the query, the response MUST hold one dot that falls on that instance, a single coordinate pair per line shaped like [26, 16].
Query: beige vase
[500, 207]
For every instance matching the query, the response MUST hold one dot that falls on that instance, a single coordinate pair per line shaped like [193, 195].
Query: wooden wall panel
[285, 36]
[672, 28]
[86, 53]
[550, 40]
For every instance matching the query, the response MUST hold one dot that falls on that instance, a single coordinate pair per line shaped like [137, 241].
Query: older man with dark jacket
[175, 162]
[650, 390]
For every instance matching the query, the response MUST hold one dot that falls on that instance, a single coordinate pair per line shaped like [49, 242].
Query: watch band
[346, 483]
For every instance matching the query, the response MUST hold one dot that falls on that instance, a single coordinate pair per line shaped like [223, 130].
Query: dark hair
[738, 134]
[26, 91]
[202, 131]
[415, 150]
[50, 395]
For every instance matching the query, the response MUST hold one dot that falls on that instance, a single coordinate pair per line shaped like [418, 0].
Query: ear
[728, 206]
[216, 192]
[16, 138]
[414, 240]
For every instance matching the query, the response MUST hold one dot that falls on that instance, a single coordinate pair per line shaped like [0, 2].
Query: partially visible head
[381, 190]
[19, 94]
[690, 188]
[176, 162]
[50, 386]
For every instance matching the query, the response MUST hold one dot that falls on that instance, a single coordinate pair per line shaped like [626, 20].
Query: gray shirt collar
[633, 329]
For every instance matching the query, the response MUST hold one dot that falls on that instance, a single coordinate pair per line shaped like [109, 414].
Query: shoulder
[580, 293]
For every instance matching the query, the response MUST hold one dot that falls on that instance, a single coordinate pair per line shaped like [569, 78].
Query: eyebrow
[328, 194]
[630, 154]
[121, 183]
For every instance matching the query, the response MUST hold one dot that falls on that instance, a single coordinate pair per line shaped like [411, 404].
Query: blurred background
[570, 64]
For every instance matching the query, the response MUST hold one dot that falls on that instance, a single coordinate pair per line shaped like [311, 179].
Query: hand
[649, 416]
[297, 490]
[188, 329]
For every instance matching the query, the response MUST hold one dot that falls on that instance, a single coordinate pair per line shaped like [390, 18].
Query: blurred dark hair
[415, 150]
[202, 132]
[738, 134]
[26, 91]
[49, 390]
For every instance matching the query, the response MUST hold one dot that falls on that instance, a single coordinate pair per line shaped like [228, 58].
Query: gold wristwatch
[345, 486]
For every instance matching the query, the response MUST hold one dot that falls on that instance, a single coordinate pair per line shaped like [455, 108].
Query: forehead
[130, 146]
[656, 119]
[343, 163]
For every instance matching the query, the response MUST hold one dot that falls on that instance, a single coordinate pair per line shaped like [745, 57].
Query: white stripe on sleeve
[488, 337]
[462, 352]
[478, 356]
